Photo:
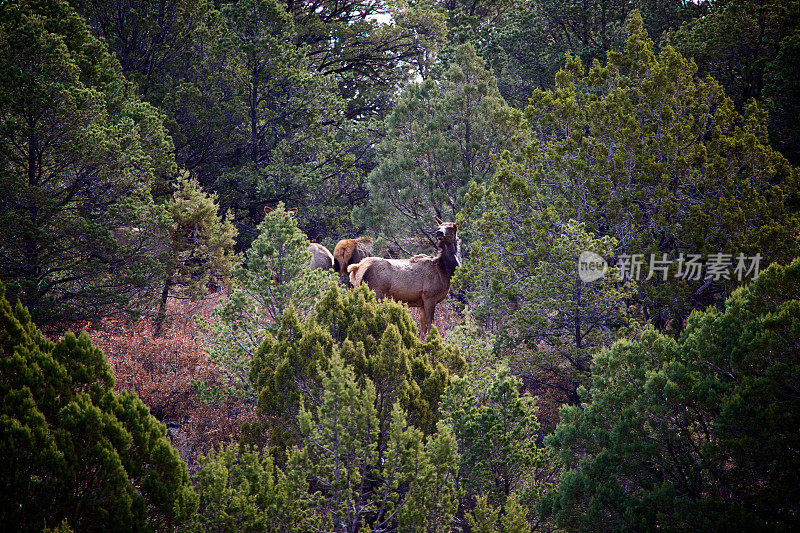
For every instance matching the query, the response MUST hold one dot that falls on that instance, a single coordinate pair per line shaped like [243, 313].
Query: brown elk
[421, 281]
[321, 257]
[349, 252]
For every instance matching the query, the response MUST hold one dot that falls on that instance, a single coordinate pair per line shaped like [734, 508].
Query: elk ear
[267, 210]
[292, 211]
[438, 220]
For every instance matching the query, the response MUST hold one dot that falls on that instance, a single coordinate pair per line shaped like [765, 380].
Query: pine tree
[496, 430]
[201, 244]
[241, 490]
[645, 152]
[273, 278]
[74, 452]
[442, 135]
[483, 519]
[291, 141]
[80, 234]
[527, 45]
[338, 477]
[698, 432]
[750, 47]
[379, 340]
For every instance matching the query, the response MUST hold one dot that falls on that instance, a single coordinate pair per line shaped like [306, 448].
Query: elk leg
[426, 320]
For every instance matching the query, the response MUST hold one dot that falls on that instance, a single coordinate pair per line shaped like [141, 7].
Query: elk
[349, 252]
[421, 281]
[321, 257]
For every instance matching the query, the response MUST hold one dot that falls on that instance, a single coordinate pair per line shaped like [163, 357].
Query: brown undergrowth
[161, 371]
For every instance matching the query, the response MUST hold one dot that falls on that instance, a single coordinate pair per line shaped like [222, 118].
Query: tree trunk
[162, 307]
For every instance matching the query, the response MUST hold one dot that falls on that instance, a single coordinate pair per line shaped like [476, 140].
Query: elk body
[349, 252]
[321, 257]
[421, 281]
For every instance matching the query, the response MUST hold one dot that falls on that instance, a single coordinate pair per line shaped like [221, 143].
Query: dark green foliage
[72, 449]
[286, 144]
[379, 340]
[643, 151]
[752, 47]
[368, 59]
[201, 245]
[153, 40]
[249, 113]
[527, 47]
[442, 136]
[698, 433]
[80, 155]
[339, 477]
[496, 430]
[561, 319]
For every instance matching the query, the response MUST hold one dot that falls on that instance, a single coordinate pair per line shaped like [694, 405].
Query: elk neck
[449, 256]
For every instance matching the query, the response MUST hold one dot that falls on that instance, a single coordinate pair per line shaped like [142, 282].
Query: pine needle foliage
[694, 433]
[378, 339]
[73, 450]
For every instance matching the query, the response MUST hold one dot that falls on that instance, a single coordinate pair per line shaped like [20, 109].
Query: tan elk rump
[321, 257]
[421, 281]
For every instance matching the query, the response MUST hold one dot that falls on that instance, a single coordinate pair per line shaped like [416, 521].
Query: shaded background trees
[751, 48]
[81, 155]
[697, 432]
[441, 136]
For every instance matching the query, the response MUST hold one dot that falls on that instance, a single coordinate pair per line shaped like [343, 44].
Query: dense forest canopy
[623, 319]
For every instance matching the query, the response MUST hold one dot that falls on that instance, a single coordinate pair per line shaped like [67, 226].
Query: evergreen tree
[486, 518]
[379, 340]
[201, 244]
[154, 40]
[74, 452]
[371, 49]
[483, 519]
[80, 156]
[643, 151]
[496, 430]
[751, 48]
[560, 317]
[698, 432]
[339, 477]
[240, 490]
[527, 47]
[442, 135]
[292, 142]
[273, 278]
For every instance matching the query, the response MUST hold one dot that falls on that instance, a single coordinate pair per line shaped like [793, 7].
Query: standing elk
[321, 257]
[421, 281]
